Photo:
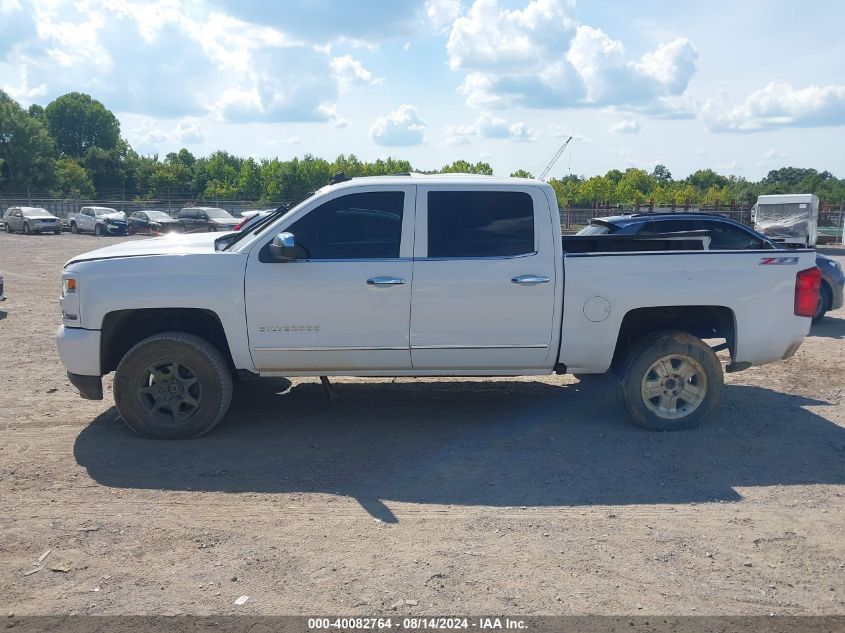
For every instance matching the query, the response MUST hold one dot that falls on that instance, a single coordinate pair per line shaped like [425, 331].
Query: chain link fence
[831, 221]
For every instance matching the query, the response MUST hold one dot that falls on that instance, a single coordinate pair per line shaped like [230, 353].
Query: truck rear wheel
[172, 386]
[670, 381]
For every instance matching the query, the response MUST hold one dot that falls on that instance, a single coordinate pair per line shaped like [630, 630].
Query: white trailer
[789, 219]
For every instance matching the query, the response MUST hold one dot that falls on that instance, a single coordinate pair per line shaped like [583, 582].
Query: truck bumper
[79, 350]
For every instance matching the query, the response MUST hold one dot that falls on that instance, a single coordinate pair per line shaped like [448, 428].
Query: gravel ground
[531, 496]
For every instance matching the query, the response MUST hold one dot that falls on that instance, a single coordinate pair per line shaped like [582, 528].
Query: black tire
[825, 301]
[684, 353]
[212, 229]
[73, 228]
[9, 228]
[98, 230]
[26, 229]
[195, 365]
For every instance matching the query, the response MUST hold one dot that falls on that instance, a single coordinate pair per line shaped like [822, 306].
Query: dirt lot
[530, 496]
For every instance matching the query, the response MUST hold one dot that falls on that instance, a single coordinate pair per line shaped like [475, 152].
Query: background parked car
[2, 289]
[251, 218]
[153, 221]
[725, 234]
[31, 220]
[98, 220]
[206, 219]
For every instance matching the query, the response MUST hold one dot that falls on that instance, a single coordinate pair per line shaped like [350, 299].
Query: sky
[740, 86]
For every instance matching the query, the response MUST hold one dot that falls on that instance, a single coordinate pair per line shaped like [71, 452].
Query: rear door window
[480, 224]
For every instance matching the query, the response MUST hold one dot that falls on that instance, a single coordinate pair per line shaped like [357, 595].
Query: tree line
[73, 148]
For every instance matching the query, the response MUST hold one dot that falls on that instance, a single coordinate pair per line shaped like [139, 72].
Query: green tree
[566, 189]
[661, 175]
[107, 171]
[249, 180]
[703, 179]
[78, 123]
[27, 153]
[72, 180]
[521, 173]
[634, 186]
[596, 189]
[37, 112]
[465, 167]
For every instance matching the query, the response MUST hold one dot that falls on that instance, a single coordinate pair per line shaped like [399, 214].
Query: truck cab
[790, 219]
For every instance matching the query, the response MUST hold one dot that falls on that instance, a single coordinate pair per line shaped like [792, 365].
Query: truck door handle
[385, 281]
[530, 280]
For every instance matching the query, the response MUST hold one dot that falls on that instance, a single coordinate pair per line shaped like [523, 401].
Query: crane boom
[554, 159]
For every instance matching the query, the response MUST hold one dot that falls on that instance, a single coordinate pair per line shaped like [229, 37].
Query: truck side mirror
[283, 247]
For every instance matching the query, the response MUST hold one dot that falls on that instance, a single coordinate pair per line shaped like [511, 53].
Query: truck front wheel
[670, 381]
[172, 386]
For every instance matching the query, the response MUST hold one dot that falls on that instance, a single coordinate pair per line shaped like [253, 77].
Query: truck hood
[112, 216]
[173, 244]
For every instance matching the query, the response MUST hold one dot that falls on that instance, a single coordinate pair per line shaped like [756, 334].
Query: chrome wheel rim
[171, 390]
[674, 386]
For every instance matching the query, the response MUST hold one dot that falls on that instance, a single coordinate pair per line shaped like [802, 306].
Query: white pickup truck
[98, 220]
[413, 275]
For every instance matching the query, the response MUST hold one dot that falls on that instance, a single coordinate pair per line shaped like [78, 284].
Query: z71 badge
[778, 261]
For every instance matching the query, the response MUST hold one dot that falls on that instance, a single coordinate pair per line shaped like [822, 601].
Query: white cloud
[349, 72]
[490, 38]
[324, 22]
[176, 58]
[779, 105]
[489, 126]
[775, 153]
[671, 65]
[402, 127]
[287, 84]
[441, 13]
[540, 57]
[331, 115]
[558, 131]
[625, 127]
[152, 133]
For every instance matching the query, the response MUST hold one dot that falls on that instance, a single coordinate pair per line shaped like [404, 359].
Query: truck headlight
[69, 301]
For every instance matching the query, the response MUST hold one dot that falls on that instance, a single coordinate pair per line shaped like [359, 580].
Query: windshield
[37, 213]
[594, 229]
[217, 213]
[104, 211]
[157, 215]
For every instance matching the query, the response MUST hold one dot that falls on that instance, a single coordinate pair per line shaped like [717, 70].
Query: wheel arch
[122, 329]
[701, 321]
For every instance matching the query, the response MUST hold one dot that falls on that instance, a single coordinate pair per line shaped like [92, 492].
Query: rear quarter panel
[760, 296]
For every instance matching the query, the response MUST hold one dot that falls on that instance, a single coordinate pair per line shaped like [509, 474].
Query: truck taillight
[807, 291]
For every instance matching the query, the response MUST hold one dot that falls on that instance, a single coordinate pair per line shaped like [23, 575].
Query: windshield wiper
[263, 223]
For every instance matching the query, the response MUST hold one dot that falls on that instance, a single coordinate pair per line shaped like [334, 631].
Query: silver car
[31, 220]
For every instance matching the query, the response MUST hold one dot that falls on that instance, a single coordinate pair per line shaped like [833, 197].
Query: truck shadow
[496, 443]
[829, 327]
